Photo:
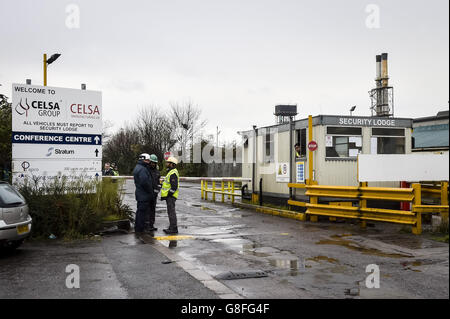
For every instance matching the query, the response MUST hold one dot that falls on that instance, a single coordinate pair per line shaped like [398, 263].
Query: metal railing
[227, 188]
[362, 193]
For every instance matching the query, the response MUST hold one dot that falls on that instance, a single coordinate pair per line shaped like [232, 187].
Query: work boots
[171, 231]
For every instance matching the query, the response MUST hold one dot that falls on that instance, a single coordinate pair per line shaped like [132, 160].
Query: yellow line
[173, 237]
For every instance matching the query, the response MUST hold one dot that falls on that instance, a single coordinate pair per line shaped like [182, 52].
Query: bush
[73, 209]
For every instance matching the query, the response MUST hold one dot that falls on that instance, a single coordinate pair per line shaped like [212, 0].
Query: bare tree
[186, 123]
[156, 132]
[123, 149]
[106, 130]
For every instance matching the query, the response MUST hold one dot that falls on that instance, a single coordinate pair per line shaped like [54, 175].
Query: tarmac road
[298, 259]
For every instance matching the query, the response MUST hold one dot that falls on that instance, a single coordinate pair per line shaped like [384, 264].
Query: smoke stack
[378, 78]
[384, 69]
[382, 96]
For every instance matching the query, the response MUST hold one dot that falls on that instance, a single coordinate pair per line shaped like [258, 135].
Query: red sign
[167, 155]
[312, 146]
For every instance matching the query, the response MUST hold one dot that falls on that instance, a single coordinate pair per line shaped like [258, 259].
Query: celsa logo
[44, 108]
[85, 109]
[22, 109]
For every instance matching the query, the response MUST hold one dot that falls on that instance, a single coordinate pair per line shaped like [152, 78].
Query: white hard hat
[144, 156]
[172, 159]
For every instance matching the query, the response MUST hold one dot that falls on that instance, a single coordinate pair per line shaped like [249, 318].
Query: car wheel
[12, 245]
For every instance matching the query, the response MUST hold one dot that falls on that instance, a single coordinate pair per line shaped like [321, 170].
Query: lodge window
[269, 146]
[388, 141]
[343, 142]
[301, 139]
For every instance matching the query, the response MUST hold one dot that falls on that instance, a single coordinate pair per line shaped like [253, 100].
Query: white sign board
[55, 131]
[56, 151]
[300, 167]
[56, 110]
[43, 167]
[407, 168]
[282, 173]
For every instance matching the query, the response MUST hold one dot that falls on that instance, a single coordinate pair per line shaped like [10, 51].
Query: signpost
[312, 146]
[55, 131]
[167, 155]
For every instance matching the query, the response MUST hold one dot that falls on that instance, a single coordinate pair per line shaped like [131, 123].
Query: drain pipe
[290, 156]
[255, 143]
[260, 192]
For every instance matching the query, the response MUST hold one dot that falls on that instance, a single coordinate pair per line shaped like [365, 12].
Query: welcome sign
[55, 131]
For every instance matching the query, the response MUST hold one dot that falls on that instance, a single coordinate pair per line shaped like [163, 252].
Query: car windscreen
[9, 196]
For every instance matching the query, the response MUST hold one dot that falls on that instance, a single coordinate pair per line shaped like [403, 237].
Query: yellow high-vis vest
[166, 184]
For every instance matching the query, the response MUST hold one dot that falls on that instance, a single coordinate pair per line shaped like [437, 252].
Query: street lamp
[352, 109]
[47, 62]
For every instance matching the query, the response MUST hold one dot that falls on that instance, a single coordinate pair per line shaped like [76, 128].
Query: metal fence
[362, 193]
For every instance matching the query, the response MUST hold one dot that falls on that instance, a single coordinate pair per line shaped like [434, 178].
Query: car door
[13, 205]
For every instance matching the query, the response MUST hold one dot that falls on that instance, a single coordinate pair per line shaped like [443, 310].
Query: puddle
[323, 258]
[338, 241]
[207, 208]
[416, 263]
[284, 263]
[132, 241]
[232, 241]
[214, 230]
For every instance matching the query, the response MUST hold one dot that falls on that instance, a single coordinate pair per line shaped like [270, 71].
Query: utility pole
[217, 136]
[47, 62]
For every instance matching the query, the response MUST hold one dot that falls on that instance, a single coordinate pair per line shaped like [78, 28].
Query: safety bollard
[444, 199]
[201, 189]
[314, 200]
[417, 229]
[363, 204]
[232, 191]
[223, 194]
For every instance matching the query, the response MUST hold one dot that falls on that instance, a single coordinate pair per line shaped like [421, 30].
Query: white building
[268, 160]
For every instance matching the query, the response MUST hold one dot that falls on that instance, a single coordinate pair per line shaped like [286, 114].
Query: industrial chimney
[382, 101]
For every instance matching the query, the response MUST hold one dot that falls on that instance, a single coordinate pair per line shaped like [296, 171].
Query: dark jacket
[156, 176]
[108, 172]
[143, 182]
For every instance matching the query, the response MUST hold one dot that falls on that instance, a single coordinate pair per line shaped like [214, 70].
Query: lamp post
[352, 109]
[47, 62]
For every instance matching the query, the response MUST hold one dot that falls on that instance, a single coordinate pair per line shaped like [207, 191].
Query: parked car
[15, 222]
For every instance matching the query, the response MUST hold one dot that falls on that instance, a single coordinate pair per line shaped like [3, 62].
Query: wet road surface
[303, 259]
[218, 245]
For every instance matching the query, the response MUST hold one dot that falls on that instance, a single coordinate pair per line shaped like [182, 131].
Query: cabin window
[269, 146]
[301, 140]
[343, 142]
[388, 141]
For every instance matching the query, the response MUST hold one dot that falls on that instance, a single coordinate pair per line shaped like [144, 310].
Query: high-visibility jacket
[166, 186]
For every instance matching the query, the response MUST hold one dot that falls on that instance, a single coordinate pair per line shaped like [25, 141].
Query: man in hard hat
[156, 176]
[144, 191]
[169, 193]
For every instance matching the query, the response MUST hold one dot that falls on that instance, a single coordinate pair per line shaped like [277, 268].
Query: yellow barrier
[362, 193]
[227, 187]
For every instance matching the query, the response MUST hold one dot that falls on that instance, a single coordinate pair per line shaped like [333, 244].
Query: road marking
[173, 237]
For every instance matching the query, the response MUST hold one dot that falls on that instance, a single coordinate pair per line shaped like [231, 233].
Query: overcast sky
[235, 59]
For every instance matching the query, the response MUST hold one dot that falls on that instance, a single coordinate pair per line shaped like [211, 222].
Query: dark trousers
[141, 213]
[150, 217]
[171, 212]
